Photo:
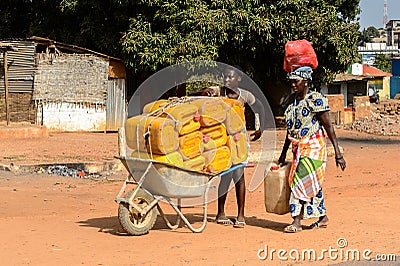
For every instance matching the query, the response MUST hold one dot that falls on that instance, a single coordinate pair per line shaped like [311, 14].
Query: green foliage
[366, 35]
[373, 32]
[152, 34]
[384, 62]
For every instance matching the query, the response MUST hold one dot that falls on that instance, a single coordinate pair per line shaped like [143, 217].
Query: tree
[373, 32]
[152, 34]
[366, 35]
[384, 62]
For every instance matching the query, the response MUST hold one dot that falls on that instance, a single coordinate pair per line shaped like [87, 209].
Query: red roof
[373, 71]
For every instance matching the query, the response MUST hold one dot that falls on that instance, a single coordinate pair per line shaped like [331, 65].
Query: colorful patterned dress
[309, 155]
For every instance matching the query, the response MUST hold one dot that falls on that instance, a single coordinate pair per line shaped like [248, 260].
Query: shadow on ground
[372, 141]
[110, 225]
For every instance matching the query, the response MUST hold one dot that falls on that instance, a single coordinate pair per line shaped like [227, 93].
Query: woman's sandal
[316, 225]
[292, 229]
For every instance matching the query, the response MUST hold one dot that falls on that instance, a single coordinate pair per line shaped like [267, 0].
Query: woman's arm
[285, 148]
[323, 117]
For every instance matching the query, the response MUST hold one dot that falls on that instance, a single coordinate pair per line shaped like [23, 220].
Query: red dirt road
[47, 220]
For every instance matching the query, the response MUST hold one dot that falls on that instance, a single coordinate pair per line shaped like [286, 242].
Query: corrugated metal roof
[373, 71]
[349, 77]
[369, 72]
[71, 47]
[21, 66]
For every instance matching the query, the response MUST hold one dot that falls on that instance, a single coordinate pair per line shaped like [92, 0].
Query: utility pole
[385, 14]
[4, 48]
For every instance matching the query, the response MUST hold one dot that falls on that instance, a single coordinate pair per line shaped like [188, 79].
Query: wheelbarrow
[156, 181]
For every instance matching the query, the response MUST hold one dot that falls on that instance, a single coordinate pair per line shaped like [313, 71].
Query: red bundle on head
[299, 53]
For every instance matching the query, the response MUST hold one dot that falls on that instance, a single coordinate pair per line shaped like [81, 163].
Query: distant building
[393, 33]
[357, 81]
[369, 51]
[62, 86]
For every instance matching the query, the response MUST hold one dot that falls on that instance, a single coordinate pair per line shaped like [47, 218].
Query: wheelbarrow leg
[180, 214]
[167, 222]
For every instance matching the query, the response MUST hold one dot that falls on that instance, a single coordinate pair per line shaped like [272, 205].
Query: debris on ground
[63, 170]
[384, 120]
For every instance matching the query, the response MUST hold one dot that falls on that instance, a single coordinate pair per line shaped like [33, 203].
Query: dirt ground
[50, 220]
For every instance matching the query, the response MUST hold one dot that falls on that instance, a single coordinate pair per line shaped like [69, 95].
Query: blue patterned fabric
[301, 116]
[314, 208]
[301, 73]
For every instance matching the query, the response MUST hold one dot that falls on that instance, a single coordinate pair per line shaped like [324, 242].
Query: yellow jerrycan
[187, 116]
[155, 134]
[212, 111]
[235, 119]
[191, 145]
[174, 158]
[218, 160]
[196, 164]
[239, 147]
[277, 189]
[214, 137]
[151, 107]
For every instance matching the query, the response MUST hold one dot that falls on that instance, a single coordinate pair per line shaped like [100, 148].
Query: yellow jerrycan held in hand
[277, 189]
[153, 134]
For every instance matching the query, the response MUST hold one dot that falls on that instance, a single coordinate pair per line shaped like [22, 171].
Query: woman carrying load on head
[306, 116]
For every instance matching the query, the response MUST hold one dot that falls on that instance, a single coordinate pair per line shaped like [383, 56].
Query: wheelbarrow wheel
[131, 220]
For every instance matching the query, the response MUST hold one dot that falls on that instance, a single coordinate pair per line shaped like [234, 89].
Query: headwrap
[301, 73]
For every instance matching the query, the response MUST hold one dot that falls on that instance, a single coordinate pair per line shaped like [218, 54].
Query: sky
[372, 12]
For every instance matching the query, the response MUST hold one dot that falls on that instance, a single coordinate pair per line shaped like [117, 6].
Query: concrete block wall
[22, 108]
[336, 103]
[362, 107]
[72, 117]
[390, 107]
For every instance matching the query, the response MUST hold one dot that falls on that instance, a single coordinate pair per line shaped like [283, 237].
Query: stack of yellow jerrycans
[205, 134]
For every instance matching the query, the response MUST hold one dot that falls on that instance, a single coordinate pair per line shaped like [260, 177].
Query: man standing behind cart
[232, 77]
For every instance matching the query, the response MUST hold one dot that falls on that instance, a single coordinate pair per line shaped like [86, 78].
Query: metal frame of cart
[156, 181]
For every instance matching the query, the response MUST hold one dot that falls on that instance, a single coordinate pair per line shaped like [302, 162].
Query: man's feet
[222, 219]
[239, 222]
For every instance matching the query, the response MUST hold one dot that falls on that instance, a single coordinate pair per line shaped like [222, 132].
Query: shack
[63, 87]
[357, 81]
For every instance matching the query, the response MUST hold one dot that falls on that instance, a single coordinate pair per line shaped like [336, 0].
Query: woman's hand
[282, 159]
[340, 162]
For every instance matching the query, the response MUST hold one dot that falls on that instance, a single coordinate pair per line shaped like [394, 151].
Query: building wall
[22, 108]
[384, 94]
[71, 92]
[72, 117]
[394, 86]
[336, 103]
[71, 78]
[362, 107]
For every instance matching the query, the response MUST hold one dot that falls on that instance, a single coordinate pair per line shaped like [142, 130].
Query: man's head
[232, 77]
